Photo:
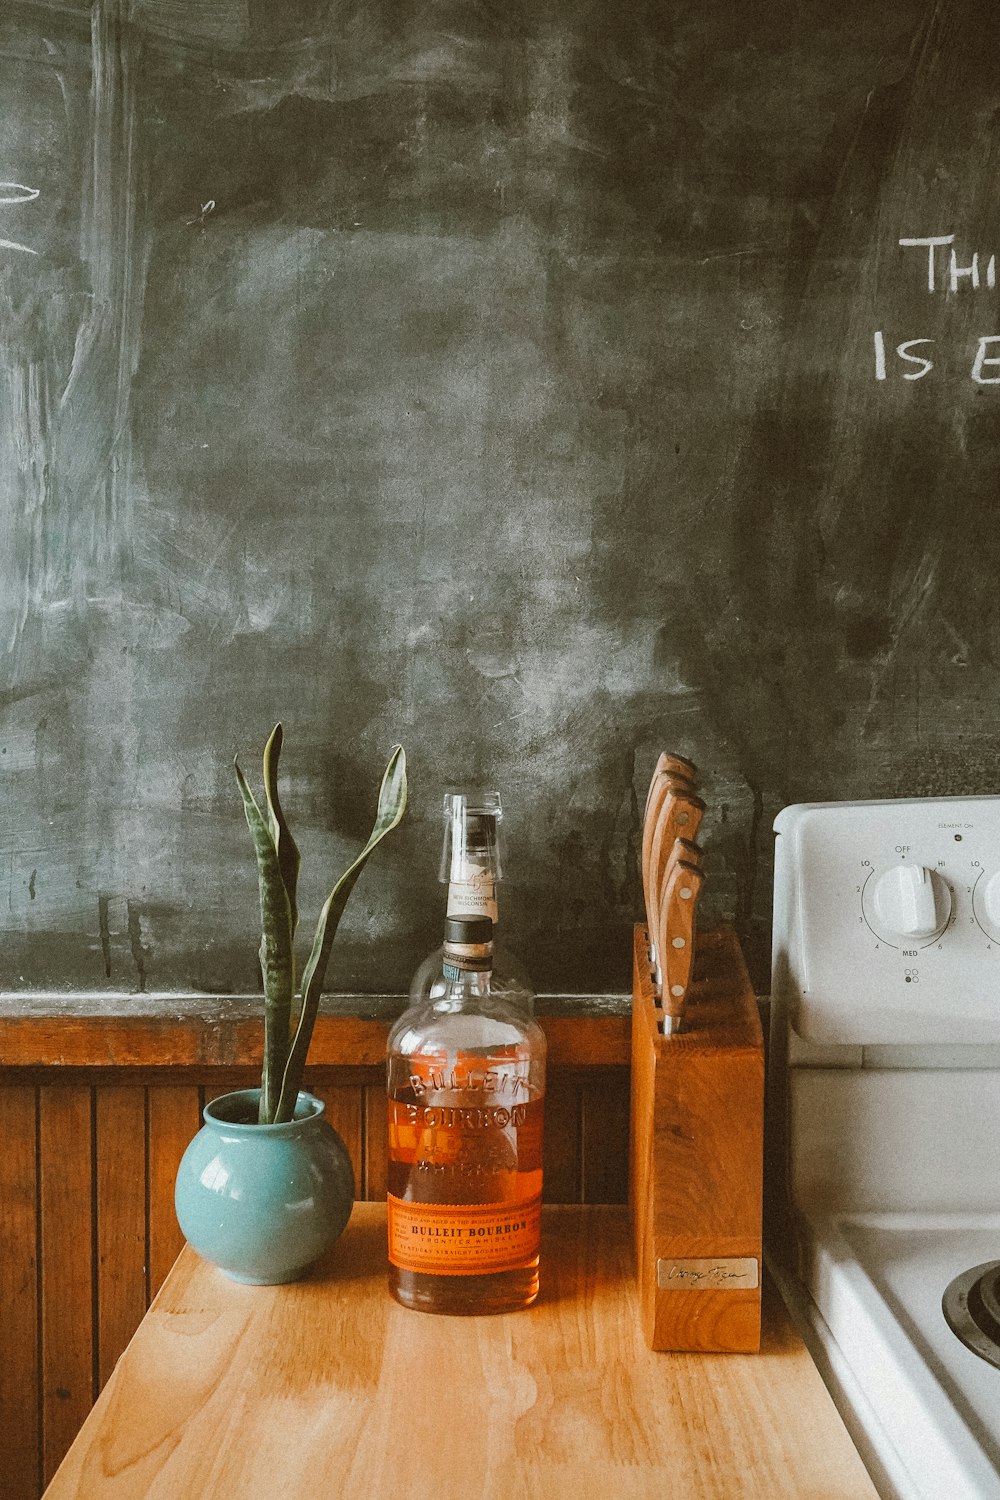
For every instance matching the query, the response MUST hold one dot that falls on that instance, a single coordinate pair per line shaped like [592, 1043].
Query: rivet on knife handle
[676, 923]
[681, 850]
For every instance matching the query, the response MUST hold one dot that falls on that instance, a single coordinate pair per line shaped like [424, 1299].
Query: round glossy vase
[262, 1202]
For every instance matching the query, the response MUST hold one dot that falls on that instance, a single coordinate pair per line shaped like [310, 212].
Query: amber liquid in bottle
[466, 1079]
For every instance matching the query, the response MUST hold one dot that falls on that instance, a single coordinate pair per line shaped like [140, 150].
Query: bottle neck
[465, 986]
[470, 857]
[475, 892]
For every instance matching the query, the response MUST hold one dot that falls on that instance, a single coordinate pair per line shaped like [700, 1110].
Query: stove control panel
[887, 920]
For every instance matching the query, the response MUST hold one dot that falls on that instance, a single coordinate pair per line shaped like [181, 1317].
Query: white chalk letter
[982, 358]
[957, 271]
[16, 192]
[879, 357]
[915, 359]
[931, 241]
[991, 272]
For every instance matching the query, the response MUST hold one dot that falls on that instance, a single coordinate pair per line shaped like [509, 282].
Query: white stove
[885, 1127]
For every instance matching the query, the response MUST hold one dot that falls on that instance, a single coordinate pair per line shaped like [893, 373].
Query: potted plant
[266, 1185]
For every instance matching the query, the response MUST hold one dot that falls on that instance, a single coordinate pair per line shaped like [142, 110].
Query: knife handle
[662, 785]
[683, 775]
[687, 849]
[681, 812]
[675, 765]
[679, 818]
[676, 920]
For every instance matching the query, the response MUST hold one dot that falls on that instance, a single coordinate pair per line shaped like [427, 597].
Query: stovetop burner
[971, 1305]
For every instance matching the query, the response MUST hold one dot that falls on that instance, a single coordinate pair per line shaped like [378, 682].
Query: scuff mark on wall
[139, 952]
[103, 905]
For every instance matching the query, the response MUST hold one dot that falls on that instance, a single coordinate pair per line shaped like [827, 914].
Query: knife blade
[676, 917]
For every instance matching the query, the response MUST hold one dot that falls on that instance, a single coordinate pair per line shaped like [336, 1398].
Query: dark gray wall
[495, 378]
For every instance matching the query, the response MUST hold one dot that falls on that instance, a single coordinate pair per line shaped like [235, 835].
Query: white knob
[989, 908]
[911, 901]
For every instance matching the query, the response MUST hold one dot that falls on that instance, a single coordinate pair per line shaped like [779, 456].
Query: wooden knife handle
[676, 928]
[675, 765]
[679, 818]
[679, 813]
[662, 785]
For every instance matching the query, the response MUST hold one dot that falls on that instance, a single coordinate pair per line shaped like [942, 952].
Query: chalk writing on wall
[16, 192]
[947, 272]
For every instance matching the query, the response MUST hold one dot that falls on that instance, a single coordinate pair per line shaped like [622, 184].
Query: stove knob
[912, 903]
[987, 907]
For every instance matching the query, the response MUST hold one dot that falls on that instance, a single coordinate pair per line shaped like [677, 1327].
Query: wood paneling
[173, 1117]
[120, 1119]
[65, 1191]
[19, 1391]
[344, 1111]
[376, 1140]
[604, 1139]
[561, 1181]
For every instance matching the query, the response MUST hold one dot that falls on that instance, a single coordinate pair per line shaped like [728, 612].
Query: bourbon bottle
[466, 1093]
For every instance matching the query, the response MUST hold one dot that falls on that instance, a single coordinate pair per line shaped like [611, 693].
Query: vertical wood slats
[19, 1390]
[88, 1231]
[344, 1112]
[376, 1141]
[120, 1154]
[173, 1115]
[604, 1139]
[65, 1191]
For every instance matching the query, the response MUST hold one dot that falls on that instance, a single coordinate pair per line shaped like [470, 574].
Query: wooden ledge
[172, 1032]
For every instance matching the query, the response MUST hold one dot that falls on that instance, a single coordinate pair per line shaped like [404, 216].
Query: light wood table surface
[327, 1388]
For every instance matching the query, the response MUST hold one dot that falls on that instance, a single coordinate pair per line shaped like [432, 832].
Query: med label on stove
[887, 921]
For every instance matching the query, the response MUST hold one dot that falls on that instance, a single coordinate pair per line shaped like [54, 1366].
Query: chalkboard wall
[534, 384]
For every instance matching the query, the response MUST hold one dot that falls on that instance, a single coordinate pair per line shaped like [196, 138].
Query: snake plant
[286, 1035]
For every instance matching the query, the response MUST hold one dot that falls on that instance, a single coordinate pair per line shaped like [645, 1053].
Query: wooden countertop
[328, 1388]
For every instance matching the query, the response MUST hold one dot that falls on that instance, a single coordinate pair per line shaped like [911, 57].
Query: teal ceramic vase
[262, 1202]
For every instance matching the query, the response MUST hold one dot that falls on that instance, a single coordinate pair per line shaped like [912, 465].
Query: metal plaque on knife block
[696, 1154]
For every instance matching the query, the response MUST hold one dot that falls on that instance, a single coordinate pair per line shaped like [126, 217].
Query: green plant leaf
[275, 952]
[391, 807]
[289, 858]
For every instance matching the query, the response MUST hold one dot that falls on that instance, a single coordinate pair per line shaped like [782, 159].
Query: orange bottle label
[466, 1239]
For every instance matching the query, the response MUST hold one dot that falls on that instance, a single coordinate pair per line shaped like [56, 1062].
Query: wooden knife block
[696, 1154]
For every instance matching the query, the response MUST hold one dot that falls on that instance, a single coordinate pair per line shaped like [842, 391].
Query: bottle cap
[468, 929]
[468, 945]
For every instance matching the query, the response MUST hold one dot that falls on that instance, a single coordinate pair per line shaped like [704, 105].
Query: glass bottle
[471, 865]
[466, 1094]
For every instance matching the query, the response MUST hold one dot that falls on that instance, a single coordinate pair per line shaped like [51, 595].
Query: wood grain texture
[376, 1153]
[173, 1118]
[604, 1140]
[120, 1158]
[170, 1040]
[19, 1427]
[696, 1153]
[344, 1112]
[327, 1387]
[561, 1140]
[66, 1219]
